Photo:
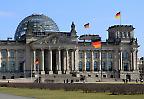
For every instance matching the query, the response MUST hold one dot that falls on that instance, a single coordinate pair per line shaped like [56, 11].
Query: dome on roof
[38, 23]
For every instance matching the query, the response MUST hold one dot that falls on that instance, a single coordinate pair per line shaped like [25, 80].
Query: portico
[55, 61]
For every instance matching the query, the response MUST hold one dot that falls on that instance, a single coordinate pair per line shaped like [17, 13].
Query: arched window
[109, 55]
[109, 65]
[12, 53]
[125, 55]
[3, 66]
[95, 66]
[4, 53]
[88, 54]
[126, 67]
[12, 65]
[96, 55]
[104, 55]
[87, 66]
[104, 68]
[80, 55]
[80, 66]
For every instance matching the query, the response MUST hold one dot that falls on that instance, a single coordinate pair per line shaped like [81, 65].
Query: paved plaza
[6, 96]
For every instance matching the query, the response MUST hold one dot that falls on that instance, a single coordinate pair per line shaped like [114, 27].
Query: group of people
[139, 80]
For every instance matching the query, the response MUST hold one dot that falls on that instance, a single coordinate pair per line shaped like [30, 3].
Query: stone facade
[40, 48]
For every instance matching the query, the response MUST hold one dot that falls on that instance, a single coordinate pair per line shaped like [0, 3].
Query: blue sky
[99, 13]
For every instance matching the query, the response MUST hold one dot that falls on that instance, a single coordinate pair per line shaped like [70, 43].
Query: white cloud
[6, 14]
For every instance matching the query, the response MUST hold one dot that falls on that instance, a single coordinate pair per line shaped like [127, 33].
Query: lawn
[61, 94]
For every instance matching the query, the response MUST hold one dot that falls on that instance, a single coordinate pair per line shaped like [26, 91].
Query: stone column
[100, 65]
[8, 59]
[121, 61]
[64, 61]
[50, 62]
[92, 61]
[100, 60]
[116, 60]
[84, 66]
[135, 59]
[67, 62]
[34, 56]
[72, 61]
[131, 66]
[16, 60]
[137, 67]
[76, 56]
[42, 62]
[59, 62]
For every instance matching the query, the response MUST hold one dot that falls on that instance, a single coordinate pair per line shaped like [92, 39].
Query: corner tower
[126, 48]
[121, 33]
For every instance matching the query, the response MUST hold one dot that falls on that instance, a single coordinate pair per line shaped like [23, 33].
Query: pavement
[7, 96]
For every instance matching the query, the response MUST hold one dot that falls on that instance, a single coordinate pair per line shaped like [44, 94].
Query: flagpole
[120, 17]
[101, 61]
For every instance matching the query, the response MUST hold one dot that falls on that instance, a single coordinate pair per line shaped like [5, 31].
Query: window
[88, 54]
[110, 55]
[96, 55]
[4, 53]
[87, 66]
[118, 34]
[111, 76]
[104, 55]
[104, 76]
[104, 66]
[125, 55]
[125, 66]
[123, 34]
[80, 55]
[12, 65]
[3, 66]
[40, 33]
[95, 66]
[12, 53]
[109, 64]
[129, 34]
[80, 66]
[89, 75]
[96, 75]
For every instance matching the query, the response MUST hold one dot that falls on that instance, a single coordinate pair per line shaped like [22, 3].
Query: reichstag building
[39, 46]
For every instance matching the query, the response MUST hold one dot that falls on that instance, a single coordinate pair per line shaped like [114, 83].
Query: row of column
[92, 61]
[132, 65]
[8, 58]
[133, 60]
[65, 65]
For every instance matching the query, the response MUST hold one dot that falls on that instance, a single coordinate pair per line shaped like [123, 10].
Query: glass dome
[38, 23]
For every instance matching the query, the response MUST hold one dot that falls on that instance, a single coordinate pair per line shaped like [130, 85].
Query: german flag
[118, 15]
[36, 61]
[87, 25]
[96, 43]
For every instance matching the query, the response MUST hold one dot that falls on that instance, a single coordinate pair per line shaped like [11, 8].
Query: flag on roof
[96, 43]
[87, 25]
[118, 15]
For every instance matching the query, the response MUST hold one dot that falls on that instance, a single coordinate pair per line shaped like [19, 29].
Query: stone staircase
[59, 78]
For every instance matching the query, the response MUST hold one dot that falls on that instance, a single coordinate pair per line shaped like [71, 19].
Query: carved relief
[54, 39]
